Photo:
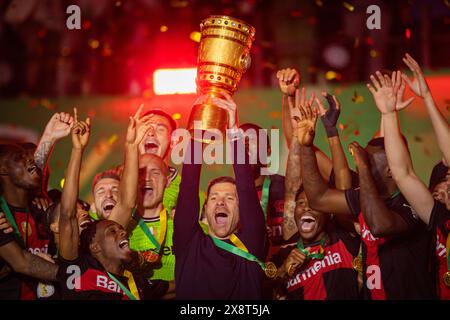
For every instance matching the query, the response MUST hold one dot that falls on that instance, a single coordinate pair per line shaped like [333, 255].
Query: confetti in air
[348, 6]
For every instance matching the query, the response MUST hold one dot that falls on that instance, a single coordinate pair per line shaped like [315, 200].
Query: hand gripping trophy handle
[223, 57]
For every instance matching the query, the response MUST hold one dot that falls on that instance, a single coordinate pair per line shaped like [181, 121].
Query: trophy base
[207, 117]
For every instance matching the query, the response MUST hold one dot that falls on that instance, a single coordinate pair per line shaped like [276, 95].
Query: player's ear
[94, 247]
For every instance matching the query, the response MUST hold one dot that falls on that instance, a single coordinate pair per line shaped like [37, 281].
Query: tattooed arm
[292, 184]
[58, 127]
[24, 262]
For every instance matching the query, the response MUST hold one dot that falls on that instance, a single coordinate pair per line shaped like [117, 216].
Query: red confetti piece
[408, 33]
[370, 41]
[296, 14]
[86, 25]
[356, 133]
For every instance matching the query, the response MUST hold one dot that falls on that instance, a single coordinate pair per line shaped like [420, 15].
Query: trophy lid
[231, 22]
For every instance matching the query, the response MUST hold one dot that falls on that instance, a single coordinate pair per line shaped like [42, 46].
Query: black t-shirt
[404, 268]
[85, 279]
[440, 226]
[16, 286]
[331, 278]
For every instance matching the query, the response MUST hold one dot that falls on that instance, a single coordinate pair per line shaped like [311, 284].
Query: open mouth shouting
[307, 223]
[151, 146]
[147, 190]
[123, 245]
[221, 217]
[108, 206]
[33, 170]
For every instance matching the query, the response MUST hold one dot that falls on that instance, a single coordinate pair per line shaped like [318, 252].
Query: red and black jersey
[85, 279]
[394, 267]
[34, 239]
[275, 208]
[330, 278]
[440, 226]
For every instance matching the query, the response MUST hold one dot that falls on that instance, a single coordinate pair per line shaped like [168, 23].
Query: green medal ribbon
[149, 234]
[265, 196]
[9, 216]
[316, 255]
[239, 252]
[124, 289]
[162, 230]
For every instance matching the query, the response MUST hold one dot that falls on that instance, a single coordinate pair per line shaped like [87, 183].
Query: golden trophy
[223, 57]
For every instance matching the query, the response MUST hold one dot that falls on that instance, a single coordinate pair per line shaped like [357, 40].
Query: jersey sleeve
[439, 216]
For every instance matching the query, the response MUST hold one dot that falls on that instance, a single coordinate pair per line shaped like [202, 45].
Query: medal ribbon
[132, 284]
[162, 230]
[10, 217]
[264, 202]
[125, 289]
[243, 253]
[316, 255]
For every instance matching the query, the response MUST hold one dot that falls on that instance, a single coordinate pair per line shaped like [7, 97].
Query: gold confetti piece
[176, 116]
[348, 6]
[61, 183]
[93, 43]
[357, 98]
[163, 28]
[147, 94]
[447, 3]
[356, 43]
[195, 36]
[113, 139]
[332, 75]
[275, 114]
[373, 53]
[319, 3]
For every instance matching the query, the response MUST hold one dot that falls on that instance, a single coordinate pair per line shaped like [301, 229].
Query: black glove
[330, 118]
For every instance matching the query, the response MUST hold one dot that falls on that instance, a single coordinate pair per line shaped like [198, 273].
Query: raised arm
[399, 159]
[58, 127]
[68, 224]
[319, 195]
[137, 128]
[288, 81]
[292, 184]
[26, 263]
[329, 120]
[381, 221]
[420, 87]
[253, 228]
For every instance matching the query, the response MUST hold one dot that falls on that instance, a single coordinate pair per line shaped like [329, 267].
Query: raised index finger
[137, 115]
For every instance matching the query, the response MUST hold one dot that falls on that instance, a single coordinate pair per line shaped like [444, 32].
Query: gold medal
[447, 278]
[357, 264]
[270, 270]
[150, 256]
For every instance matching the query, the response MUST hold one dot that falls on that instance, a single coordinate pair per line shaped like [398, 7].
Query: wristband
[331, 132]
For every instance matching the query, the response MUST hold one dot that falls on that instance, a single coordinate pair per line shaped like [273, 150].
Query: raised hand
[230, 106]
[399, 85]
[288, 80]
[383, 92]
[80, 131]
[359, 155]
[418, 85]
[138, 127]
[305, 124]
[59, 126]
[329, 117]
